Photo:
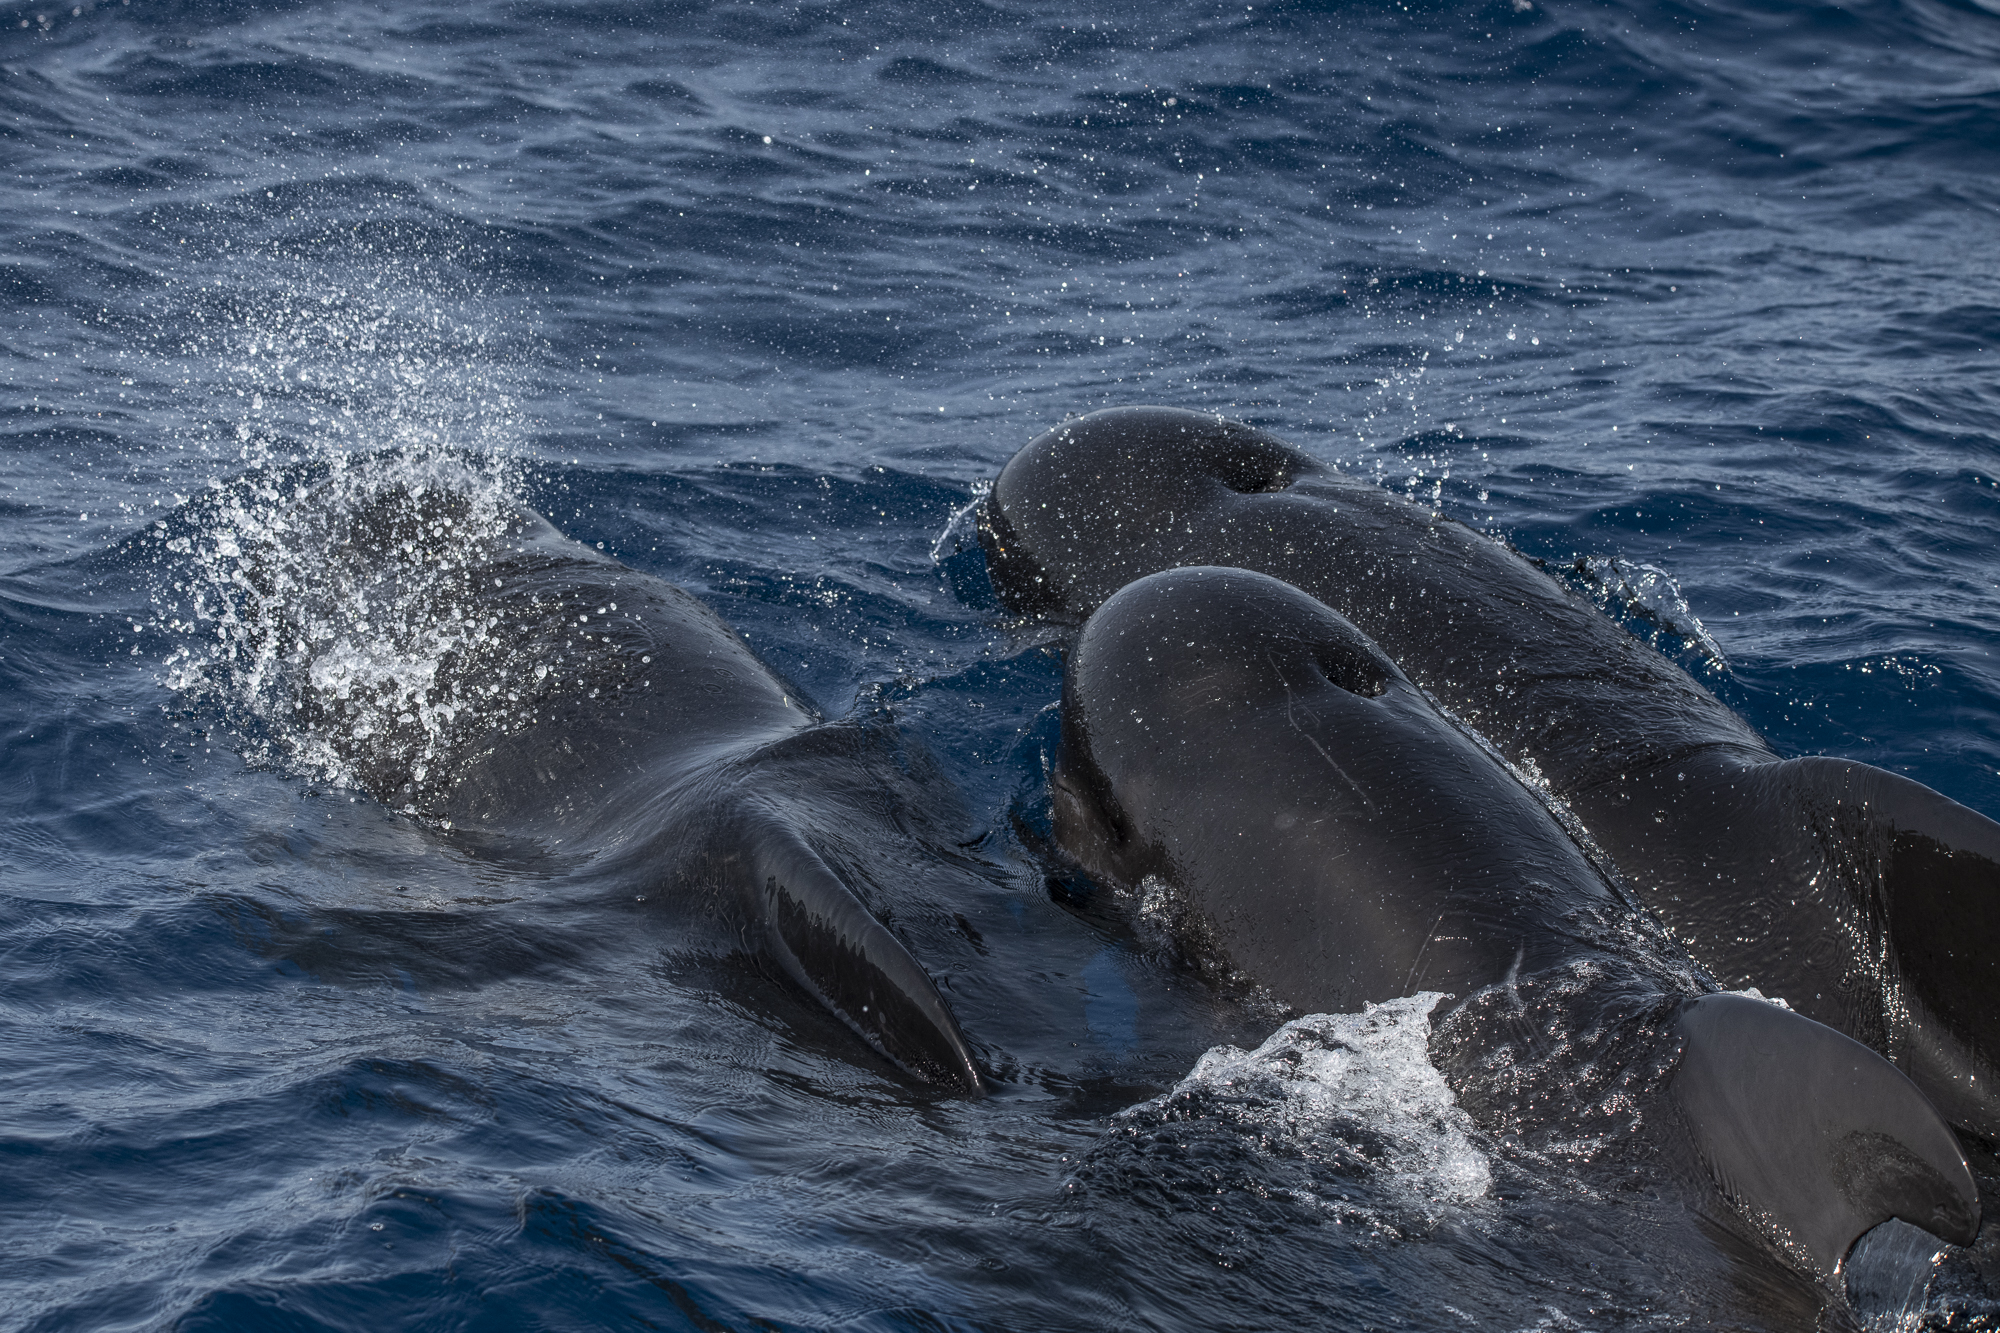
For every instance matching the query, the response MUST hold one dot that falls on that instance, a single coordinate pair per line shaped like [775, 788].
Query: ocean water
[1696, 302]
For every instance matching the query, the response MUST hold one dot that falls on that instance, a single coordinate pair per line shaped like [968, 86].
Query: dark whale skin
[627, 735]
[1869, 901]
[1236, 747]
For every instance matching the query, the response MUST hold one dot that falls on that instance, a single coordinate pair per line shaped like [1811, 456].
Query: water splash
[961, 533]
[318, 591]
[1888, 1276]
[1350, 1083]
[1649, 602]
[334, 622]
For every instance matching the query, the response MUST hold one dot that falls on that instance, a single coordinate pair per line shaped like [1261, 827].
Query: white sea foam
[1324, 1076]
[1752, 993]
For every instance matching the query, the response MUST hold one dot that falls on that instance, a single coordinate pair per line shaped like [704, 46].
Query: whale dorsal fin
[1813, 1134]
[834, 947]
[1927, 870]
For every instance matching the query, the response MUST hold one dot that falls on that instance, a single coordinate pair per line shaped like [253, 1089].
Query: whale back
[644, 688]
[555, 702]
[1322, 831]
[1868, 900]
[1113, 496]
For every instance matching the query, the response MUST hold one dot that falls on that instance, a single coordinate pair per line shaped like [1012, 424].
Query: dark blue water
[1697, 302]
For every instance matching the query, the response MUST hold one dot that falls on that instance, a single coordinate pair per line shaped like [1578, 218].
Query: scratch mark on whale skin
[1291, 717]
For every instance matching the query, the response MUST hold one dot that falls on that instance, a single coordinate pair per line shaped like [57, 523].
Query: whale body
[609, 723]
[1869, 901]
[1258, 767]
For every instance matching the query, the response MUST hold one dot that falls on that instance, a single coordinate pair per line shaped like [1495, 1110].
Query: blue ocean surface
[1695, 301]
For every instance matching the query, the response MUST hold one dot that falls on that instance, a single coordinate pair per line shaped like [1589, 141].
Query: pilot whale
[1869, 901]
[609, 722]
[1237, 748]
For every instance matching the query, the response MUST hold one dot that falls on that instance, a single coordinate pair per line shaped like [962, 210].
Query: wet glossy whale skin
[253, 1014]
[1312, 825]
[1871, 898]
